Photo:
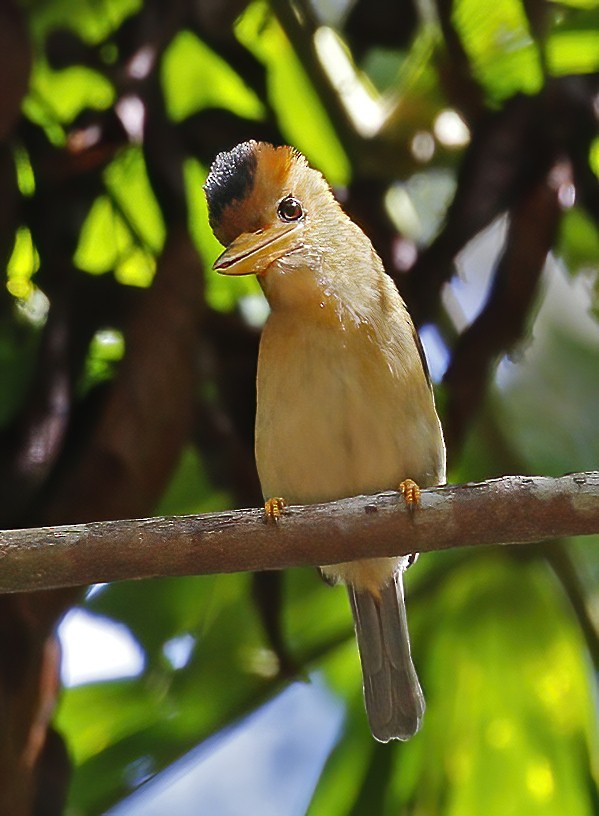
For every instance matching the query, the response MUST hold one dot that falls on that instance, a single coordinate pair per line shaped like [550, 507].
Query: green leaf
[22, 265]
[102, 239]
[594, 156]
[190, 490]
[126, 705]
[502, 53]
[61, 95]
[126, 179]
[510, 695]
[301, 116]
[572, 43]
[510, 720]
[124, 230]
[578, 241]
[194, 77]
[92, 21]
[573, 52]
[105, 352]
[173, 710]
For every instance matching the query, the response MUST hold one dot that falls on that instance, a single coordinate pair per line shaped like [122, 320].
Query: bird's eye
[289, 209]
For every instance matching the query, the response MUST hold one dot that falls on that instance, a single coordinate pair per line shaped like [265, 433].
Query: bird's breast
[335, 417]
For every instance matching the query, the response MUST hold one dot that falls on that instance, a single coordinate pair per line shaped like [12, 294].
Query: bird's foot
[274, 509]
[411, 493]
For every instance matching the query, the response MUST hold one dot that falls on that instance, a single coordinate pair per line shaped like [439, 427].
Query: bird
[345, 404]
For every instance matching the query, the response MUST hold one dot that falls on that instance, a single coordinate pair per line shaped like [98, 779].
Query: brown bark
[510, 510]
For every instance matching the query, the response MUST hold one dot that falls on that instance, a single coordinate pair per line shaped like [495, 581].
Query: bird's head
[266, 205]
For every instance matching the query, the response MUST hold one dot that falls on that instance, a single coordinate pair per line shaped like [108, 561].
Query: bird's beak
[253, 252]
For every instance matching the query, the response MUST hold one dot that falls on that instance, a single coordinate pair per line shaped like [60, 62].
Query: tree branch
[510, 510]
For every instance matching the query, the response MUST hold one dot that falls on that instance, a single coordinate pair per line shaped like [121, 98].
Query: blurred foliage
[128, 367]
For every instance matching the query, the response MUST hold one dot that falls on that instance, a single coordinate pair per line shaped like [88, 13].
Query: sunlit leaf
[194, 77]
[25, 176]
[22, 265]
[92, 21]
[509, 692]
[61, 95]
[102, 239]
[497, 39]
[135, 267]
[291, 92]
[579, 241]
[190, 491]
[126, 705]
[575, 4]
[594, 156]
[127, 180]
[509, 696]
[124, 229]
[175, 709]
[105, 352]
[573, 52]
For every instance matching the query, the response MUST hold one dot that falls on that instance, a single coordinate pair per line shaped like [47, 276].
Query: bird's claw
[411, 493]
[274, 509]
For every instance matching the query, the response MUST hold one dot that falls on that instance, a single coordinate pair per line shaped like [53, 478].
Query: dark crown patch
[230, 178]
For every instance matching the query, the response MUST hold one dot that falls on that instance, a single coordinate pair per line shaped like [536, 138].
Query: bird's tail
[394, 700]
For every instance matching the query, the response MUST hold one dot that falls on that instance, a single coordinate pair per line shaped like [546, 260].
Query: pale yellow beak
[253, 252]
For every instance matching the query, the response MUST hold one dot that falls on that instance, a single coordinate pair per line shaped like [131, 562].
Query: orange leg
[274, 509]
[411, 493]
